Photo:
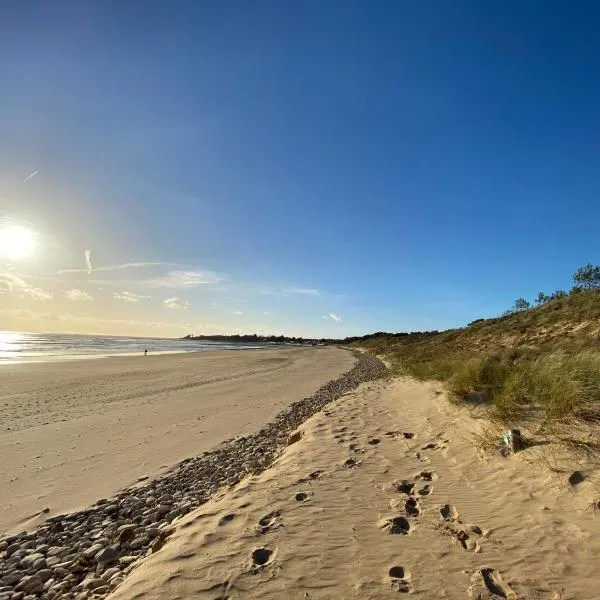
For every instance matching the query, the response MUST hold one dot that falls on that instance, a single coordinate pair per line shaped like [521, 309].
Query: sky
[317, 168]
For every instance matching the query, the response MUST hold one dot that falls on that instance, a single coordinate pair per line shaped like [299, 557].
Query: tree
[587, 277]
[558, 294]
[542, 298]
[521, 304]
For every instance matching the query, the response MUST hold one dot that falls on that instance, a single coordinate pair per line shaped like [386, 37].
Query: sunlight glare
[16, 242]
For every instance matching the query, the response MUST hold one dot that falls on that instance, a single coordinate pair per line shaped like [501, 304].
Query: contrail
[88, 259]
[31, 175]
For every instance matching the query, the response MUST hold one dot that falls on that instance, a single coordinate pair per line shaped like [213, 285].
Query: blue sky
[398, 165]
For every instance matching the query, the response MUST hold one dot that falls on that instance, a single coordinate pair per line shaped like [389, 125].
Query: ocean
[33, 347]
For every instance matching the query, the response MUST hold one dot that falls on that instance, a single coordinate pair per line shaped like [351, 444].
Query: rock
[92, 551]
[126, 533]
[44, 574]
[12, 578]
[107, 555]
[30, 584]
[139, 543]
[10, 550]
[110, 573]
[57, 551]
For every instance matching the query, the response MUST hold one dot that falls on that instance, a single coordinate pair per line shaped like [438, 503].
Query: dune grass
[545, 360]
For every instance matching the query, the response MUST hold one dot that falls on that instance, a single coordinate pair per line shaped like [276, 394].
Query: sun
[16, 242]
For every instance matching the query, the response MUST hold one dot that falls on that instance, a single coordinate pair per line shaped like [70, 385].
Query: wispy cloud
[78, 296]
[37, 293]
[13, 283]
[130, 297]
[332, 317]
[121, 267]
[180, 279]
[237, 312]
[175, 303]
[305, 291]
[88, 259]
[31, 175]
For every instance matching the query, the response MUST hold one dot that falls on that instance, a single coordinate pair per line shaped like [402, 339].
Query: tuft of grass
[542, 363]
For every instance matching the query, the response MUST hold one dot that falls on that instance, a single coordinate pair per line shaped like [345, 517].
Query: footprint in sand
[449, 513]
[487, 584]
[351, 463]
[422, 458]
[395, 525]
[427, 476]
[404, 486]
[468, 538]
[436, 445]
[407, 435]
[426, 490]
[226, 519]
[303, 496]
[261, 557]
[312, 476]
[269, 522]
[409, 505]
[374, 442]
[412, 507]
[400, 579]
[355, 448]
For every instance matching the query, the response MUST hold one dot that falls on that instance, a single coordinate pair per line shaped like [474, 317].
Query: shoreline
[59, 358]
[152, 507]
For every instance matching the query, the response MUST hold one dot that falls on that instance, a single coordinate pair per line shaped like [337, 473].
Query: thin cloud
[37, 293]
[237, 312]
[121, 267]
[130, 297]
[180, 279]
[13, 283]
[175, 303]
[31, 175]
[88, 259]
[78, 296]
[332, 317]
[304, 291]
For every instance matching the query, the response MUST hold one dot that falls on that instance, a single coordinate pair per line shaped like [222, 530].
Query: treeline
[261, 339]
[585, 278]
[282, 339]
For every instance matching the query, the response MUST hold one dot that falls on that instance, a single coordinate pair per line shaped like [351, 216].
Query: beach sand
[77, 431]
[380, 493]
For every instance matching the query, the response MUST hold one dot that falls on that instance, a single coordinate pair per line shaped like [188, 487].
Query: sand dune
[74, 432]
[383, 493]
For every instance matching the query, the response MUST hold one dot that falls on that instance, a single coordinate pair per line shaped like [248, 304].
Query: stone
[92, 551]
[30, 584]
[44, 574]
[107, 555]
[110, 573]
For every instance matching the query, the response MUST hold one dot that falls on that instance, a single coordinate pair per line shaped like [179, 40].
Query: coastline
[81, 565]
[76, 431]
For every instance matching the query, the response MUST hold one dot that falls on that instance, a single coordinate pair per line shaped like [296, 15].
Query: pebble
[86, 554]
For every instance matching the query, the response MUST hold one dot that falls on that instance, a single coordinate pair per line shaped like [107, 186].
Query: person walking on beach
[145, 352]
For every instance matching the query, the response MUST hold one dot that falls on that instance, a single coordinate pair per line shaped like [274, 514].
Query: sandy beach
[74, 432]
[383, 493]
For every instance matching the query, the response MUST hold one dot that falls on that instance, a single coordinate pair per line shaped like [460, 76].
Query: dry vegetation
[539, 364]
